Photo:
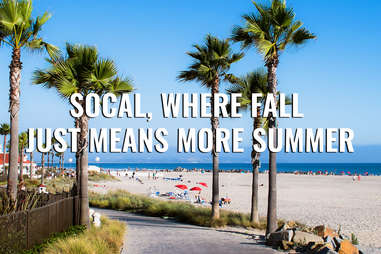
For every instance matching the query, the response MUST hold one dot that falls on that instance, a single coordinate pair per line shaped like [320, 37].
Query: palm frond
[211, 61]
[271, 29]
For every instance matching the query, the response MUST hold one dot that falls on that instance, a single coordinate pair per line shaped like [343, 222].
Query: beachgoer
[198, 199]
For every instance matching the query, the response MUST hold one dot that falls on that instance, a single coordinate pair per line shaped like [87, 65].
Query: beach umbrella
[196, 189]
[203, 184]
[181, 186]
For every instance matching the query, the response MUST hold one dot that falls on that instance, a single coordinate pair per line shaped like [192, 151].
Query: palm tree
[43, 165]
[82, 71]
[31, 165]
[31, 157]
[271, 30]
[19, 30]
[60, 163]
[23, 142]
[253, 82]
[54, 141]
[42, 168]
[63, 161]
[4, 130]
[212, 61]
[48, 162]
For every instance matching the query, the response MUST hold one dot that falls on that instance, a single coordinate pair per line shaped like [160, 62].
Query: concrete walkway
[147, 235]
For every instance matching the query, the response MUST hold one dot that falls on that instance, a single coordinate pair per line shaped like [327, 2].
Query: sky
[335, 75]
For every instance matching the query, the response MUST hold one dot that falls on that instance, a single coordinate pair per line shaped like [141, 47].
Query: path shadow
[259, 239]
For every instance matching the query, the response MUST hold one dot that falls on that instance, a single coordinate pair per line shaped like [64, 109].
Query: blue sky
[336, 75]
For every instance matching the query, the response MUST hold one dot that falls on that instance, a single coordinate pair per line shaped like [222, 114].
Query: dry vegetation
[108, 239]
[180, 211]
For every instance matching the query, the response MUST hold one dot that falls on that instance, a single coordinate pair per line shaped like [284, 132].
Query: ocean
[336, 168]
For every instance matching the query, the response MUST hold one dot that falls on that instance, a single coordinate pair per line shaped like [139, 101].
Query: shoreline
[290, 168]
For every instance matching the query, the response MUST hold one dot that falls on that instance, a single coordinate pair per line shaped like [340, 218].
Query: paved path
[147, 235]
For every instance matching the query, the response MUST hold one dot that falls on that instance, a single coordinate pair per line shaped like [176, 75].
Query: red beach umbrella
[196, 189]
[181, 186]
[203, 184]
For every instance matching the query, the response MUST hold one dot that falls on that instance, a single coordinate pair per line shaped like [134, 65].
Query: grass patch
[73, 231]
[54, 185]
[100, 177]
[180, 211]
[108, 239]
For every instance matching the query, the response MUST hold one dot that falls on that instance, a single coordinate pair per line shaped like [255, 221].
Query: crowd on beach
[310, 199]
[121, 172]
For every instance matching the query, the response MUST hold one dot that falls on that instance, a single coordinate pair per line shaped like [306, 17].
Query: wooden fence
[22, 230]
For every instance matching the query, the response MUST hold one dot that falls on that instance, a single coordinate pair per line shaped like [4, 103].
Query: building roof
[7, 159]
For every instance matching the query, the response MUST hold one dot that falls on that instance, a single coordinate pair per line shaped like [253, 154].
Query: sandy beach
[313, 200]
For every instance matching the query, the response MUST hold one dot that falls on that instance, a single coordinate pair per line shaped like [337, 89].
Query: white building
[27, 165]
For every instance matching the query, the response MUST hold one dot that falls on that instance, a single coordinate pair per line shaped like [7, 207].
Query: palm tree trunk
[53, 165]
[4, 152]
[215, 187]
[42, 167]
[254, 215]
[272, 194]
[14, 107]
[21, 179]
[83, 195]
[31, 166]
[63, 161]
[48, 164]
[78, 158]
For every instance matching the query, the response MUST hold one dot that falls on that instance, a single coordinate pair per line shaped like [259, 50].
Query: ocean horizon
[336, 168]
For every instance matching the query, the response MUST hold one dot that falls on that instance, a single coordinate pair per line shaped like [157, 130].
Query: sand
[313, 200]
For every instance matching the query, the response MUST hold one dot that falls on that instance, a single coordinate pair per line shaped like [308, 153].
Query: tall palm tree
[253, 82]
[212, 61]
[271, 30]
[59, 156]
[53, 168]
[4, 130]
[63, 161]
[48, 162]
[23, 142]
[31, 165]
[31, 157]
[82, 71]
[19, 30]
[43, 165]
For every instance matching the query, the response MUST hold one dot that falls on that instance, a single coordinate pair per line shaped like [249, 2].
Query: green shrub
[99, 177]
[180, 211]
[354, 239]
